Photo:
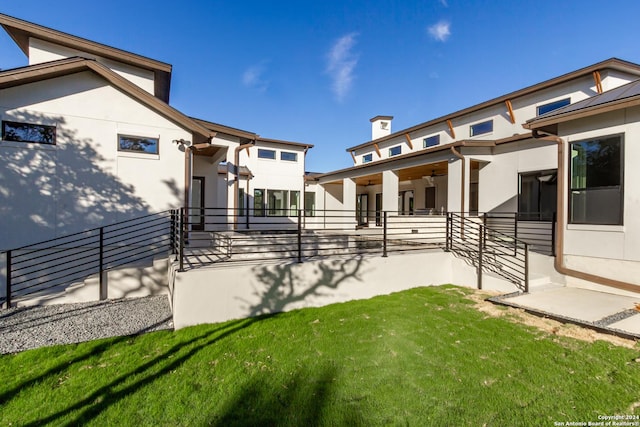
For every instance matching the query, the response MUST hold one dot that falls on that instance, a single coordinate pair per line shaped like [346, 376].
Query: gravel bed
[33, 327]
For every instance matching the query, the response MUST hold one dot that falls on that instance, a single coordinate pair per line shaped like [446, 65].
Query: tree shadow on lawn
[108, 394]
[300, 402]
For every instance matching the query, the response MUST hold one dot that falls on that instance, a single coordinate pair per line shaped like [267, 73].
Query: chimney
[380, 126]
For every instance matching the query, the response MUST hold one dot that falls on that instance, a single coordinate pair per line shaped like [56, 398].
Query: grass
[420, 357]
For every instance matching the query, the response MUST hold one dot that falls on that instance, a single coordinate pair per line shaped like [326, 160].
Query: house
[89, 139]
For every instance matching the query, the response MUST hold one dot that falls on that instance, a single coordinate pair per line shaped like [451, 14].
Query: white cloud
[341, 62]
[444, 3]
[253, 77]
[440, 31]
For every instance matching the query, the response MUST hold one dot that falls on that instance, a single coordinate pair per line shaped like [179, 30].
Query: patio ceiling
[407, 174]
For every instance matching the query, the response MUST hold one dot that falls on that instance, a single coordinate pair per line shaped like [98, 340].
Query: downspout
[559, 261]
[236, 183]
[461, 157]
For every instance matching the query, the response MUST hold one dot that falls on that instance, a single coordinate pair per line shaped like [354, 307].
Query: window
[482, 128]
[258, 202]
[367, 158]
[294, 203]
[241, 199]
[266, 154]
[28, 132]
[138, 144]
[288, 156]
[596, 195]
[537, 195]
[394, 151]
[542, 109]
[277, 202]
[431, 141]
[309, 203]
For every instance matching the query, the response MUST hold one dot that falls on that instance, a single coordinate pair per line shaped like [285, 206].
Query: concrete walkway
[609, 313]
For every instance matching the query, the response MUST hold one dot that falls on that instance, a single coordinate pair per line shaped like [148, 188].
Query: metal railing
[53, 265]
[489, 250]
[538, 229]
[211, 235]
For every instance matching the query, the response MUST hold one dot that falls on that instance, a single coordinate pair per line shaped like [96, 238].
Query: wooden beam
[451, 131]
[375, 145]
[510, 109]
[353, 156]
[598, 81]
[248, 154]
[408, 138]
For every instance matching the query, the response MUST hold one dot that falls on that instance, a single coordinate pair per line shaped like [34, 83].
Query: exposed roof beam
[451, 131]
[408, 138]
[377, 150]
[353, 156]
[510, 109]
[597, 80]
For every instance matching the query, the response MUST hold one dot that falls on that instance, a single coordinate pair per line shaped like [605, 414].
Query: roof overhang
[20, 31]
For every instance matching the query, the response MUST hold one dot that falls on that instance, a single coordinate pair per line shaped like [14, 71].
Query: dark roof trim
[20, 31]
[50, 70]
[278, 141]
[373, 119]
[216, 127]
[613, 63]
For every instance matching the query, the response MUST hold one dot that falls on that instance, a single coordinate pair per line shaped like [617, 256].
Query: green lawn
[420, 357]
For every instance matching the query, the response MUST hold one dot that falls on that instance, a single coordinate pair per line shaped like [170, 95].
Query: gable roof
[612, 63]
[621, 97]
[63, 67]
[20, 31]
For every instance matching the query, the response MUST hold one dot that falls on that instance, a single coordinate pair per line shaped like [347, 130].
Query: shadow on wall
[280, 286]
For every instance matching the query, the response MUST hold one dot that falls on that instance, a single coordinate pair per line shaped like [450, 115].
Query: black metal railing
[211, 235]
[488, 249]
[53, 265]
[536, 228]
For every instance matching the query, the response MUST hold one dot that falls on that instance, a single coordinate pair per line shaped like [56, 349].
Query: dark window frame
[284, 154]
[574, 190]
[139, 138]
[539, 214]
[259, 208]
[391, 150]
[49, 132]
[478, 128]
[367, 158]
[428, 141]
[264, 153]
[553, 105]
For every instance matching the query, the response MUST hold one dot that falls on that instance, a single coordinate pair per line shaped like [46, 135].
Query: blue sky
[317, 71]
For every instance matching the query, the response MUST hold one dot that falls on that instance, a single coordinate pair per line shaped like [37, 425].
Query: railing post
[480, 231]
[384, 234]
[8, 287]
[299, 235]
[526, 268]
[182, 236]
[103, 282]
[172, 227]
[554, 221]
[447, 244]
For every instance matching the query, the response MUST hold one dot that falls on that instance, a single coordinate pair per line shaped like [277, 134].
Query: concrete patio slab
[630, 324]
[576, 303]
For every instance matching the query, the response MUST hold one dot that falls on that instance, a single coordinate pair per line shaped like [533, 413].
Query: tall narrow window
[258, 202]
[294, 203]
[276, 202]
[596, 195]
[309, 203]
[28, 132]
[241, 199]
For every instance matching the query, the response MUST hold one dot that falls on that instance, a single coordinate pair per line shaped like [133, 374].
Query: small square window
[482, 128]
[288, 156]
[367, 158]
[138, 144]
[28, 132]
[394, 151]
[431, 141]
[543, 109]
[266, 154]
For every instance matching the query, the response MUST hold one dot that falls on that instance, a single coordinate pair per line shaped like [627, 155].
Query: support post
[554, 223]
[526, 268]
[299, 235]
[103, 282]
[384, 234]
[8, 279]
[182, 236]
[480, 231]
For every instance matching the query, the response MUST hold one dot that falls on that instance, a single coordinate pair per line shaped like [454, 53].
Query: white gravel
[41, 326]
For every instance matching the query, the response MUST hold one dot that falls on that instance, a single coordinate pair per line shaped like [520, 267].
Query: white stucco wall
[42, 51]
[83, 181]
